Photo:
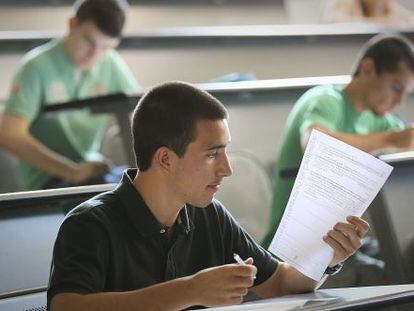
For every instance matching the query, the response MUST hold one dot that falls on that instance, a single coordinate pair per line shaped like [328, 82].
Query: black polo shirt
[113, 243]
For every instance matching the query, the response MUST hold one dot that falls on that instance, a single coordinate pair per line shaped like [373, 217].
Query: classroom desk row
[200, 54]
[262, 104]
[29, 222]
[258, 110]
[351, 298]
[264, 101]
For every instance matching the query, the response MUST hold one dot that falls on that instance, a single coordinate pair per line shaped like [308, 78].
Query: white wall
[139, 17]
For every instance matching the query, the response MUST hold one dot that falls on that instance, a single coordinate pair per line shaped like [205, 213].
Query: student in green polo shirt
[358, 114]
[64, 149]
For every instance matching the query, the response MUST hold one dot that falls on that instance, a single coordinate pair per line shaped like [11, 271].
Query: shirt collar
[140, 214]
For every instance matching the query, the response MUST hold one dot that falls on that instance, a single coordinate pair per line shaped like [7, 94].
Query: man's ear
[367, 67]
[164, 158]
[72, 23]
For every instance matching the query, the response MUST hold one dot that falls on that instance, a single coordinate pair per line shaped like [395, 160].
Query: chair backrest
[111, 146]
[247, 193]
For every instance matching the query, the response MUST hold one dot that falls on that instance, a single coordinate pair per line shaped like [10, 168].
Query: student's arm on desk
[374, 142]
[285, 280]
[223, 285]
[16, 138]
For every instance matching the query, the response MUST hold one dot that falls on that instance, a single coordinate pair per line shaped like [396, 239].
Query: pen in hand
[240, 261]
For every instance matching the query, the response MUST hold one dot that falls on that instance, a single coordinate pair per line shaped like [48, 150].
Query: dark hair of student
[107, 15]
[167, 115]
[387, 52]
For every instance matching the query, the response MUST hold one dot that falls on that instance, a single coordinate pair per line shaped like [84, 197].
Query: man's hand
[403, 140]
[223, 285]
[87, 171]
[345, 238]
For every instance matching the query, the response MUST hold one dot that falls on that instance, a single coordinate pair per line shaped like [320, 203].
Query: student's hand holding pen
[223, 285]
[404, 139]
[85, 171]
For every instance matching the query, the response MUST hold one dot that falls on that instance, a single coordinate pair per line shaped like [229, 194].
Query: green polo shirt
[46, 77]
[327, 106]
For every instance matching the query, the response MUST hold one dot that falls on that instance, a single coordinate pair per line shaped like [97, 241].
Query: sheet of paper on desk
[264, 305]
[335, 180]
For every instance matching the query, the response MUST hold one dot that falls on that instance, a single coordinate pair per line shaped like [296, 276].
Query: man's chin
[84, 65]
[379, 110]
[202, 203]
[380, 113]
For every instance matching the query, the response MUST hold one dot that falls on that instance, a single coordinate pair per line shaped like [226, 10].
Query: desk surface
[326, 299]
[335, 299]
[398, 158]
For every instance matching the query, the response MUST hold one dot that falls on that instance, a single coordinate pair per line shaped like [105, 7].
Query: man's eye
[397, 89]
[212, 154]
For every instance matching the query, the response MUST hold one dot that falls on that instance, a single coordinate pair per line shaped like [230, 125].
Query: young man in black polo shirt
[159, 240]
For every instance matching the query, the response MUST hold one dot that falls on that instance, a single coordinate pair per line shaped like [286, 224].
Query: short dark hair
[167, 115]
[107, 15]
[387, 52]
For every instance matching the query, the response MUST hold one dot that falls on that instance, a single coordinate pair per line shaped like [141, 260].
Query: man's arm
[286, 280]
[16, 138]
[345, 240]
[373, 142]
[223, 285]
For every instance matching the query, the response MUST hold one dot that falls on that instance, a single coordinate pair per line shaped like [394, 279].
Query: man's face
[198, 174]
[88, 45]
[387, 90]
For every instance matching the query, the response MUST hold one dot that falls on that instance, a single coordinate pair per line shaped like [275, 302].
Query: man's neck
[354, 92]
[158, 197]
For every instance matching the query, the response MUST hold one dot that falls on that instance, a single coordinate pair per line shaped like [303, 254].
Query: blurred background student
[384, 12]
[64, 150]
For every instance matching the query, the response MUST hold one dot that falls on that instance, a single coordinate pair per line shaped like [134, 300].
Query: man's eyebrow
[216, 147]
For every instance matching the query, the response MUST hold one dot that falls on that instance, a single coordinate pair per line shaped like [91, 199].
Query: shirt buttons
[162, 230]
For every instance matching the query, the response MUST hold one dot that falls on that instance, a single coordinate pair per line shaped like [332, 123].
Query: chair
[247, 193]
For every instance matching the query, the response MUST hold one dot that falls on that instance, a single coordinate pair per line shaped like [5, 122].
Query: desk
[262, 103]
[258, 110]
[29, 222]
[199, 54]
[353, 298]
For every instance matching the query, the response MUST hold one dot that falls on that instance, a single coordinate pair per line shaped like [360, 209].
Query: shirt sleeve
[323, 110]
[123, 79]
[26, 96]
[240, 242]
[80, 258]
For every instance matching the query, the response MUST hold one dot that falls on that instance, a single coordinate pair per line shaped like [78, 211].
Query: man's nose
[399, 100]
[225, 167]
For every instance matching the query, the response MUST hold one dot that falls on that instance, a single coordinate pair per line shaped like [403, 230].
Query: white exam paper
[335, 180]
